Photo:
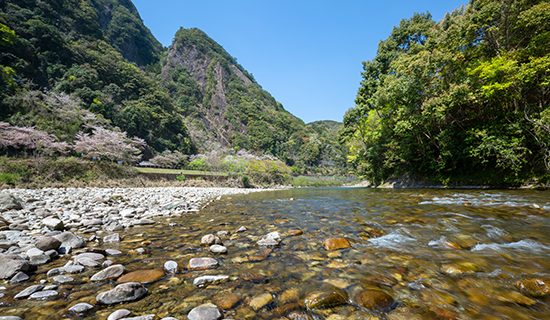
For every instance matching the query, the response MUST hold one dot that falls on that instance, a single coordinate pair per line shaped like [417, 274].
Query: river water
[439, 254]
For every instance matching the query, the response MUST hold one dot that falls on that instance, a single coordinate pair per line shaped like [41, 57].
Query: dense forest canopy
[465, 99]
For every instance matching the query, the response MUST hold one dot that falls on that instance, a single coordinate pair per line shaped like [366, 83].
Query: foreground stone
[537, 288]
[216, 248]
[207, 311]
[125, 292]
[171, 267]
[210, 239]
[375, 300]
[80, 308]
[270, 239]
[11, 264]
[332, 244]
[326, 298]
[202, 263]
[53, 223]
[108, 273]
[119, 314]
[261, 301]
[28, 291]
[142, 276]
[69, 241]
[205, 280]
[47, 243]
[9, 202]
[44, 295]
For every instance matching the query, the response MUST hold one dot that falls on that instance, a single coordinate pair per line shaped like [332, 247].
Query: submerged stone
[336, 244]
[376, 300]
[537, 288]
[326, 298]
[207, 311]
[125, 292]
[143, 276]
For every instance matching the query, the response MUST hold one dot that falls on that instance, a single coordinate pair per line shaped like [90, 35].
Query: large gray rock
[9, 202]
[47, 243]
[270, 239]
[10, 265]
[69, 241]
[25, 293]
[111, 272]
[80, 308]
[122, 293]
[89, 259]
[145, 317]
[210, 279]
[119, 314]
[53, 223]
[44, 295]
[207, 311]
[202, 263]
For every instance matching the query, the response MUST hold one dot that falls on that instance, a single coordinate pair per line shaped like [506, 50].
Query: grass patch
[314, 181]
[178, 172]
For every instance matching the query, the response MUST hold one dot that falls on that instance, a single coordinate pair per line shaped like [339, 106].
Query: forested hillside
[69, 67]
[465, 99]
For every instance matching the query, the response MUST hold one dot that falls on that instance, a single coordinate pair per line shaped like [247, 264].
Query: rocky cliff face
[229, 108]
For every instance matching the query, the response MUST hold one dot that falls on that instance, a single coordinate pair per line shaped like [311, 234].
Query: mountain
[69, 65]
[96, 51]
[223, 104]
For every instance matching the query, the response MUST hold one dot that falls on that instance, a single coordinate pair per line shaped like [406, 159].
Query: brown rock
[142, 276]
[336, 244]
[326, 298]
[261, 301]
[226, 300]
[289, 295]
[537, 288]
[295, 232]
[376, 300]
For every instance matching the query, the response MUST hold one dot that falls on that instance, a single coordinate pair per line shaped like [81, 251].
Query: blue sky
[306, 53]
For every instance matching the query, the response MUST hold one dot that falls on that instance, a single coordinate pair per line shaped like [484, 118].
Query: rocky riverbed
[39, 229]
[331, 254]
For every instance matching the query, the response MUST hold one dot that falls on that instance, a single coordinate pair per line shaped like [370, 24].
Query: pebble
[108, 273]
[125, 292]
[44, 295]
[81, 308]
[19, 277]
[115, 237]
[142, 276]
[171, 267]
[61, 279]
[270, 239]
[53, 223]
[216, 248]
[336, 244]
[205, 280]
[202, 263]
[119, 314]
[210, 239]
[261, 301]
[207, 311]
[25, 293]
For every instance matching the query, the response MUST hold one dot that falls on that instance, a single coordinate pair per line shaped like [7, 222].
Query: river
[414, 254]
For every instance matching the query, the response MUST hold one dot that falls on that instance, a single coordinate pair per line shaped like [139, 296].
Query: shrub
[198, 164]
[9, 178]
[180, 177]
[268, 171]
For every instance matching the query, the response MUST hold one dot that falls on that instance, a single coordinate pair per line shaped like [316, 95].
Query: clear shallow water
[404, 242]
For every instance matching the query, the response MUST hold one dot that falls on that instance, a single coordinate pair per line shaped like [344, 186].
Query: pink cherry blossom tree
[104, 144]
[29, 140]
